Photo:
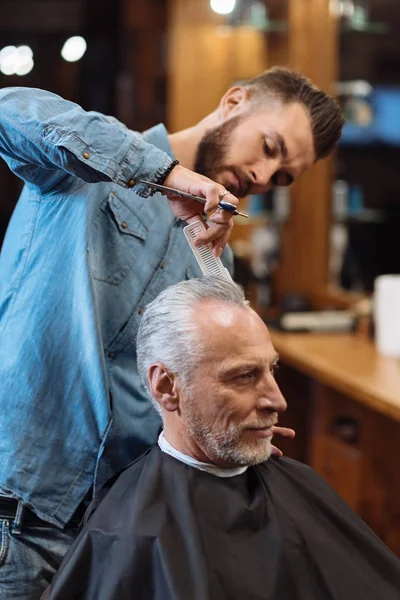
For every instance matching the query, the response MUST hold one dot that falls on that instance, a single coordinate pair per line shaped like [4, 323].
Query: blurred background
[319, 244]
[171, 60]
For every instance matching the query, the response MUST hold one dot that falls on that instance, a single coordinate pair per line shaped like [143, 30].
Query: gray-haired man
[207, 514]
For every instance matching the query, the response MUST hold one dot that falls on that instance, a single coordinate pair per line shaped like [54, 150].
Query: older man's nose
[271, 397]
[281, 404]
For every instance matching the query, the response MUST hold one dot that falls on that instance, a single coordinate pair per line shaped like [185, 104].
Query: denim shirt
[82, 257]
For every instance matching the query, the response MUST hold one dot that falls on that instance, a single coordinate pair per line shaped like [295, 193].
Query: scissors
[167, 191]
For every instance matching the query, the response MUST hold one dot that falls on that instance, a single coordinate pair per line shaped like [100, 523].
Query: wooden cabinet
[344, 402]
[340, 465]
[335, 448]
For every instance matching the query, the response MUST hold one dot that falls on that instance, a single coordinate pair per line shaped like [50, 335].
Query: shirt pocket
[118, 239]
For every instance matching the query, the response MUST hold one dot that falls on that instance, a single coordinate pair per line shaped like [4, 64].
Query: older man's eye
[247, 376]
[274, 368]
[244, 376]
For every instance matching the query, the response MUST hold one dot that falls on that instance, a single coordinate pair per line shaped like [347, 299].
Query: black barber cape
[167, 531]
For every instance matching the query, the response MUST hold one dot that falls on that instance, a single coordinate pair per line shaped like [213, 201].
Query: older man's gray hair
[167, 333]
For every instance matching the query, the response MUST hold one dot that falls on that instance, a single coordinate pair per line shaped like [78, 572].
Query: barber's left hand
[284, 432]
[185, 180]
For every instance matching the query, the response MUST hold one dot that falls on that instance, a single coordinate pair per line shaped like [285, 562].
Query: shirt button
[111, 354]
[162, 266]
[140, 310]
[131, 183]
[86, 155]
[124, 224]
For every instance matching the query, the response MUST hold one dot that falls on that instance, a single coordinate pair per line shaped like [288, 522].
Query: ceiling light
[223, 7]
[16, 60]
[74, 48]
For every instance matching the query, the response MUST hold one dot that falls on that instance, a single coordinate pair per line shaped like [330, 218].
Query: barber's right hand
[221, 221]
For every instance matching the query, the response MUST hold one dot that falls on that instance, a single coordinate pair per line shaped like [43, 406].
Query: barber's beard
[213, 148]
[227, 446]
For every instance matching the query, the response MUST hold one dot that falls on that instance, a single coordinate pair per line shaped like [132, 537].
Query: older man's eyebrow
[275, 360]
[242, 367]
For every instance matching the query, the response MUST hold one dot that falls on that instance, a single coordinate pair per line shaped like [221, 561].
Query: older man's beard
[213, 148]
[227, 446]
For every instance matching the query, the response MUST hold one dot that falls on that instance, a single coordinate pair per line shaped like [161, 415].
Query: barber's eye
[282, 179]
[275, 178]
[267, 149]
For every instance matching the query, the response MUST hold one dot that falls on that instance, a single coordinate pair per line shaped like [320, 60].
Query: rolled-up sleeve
[48, 142]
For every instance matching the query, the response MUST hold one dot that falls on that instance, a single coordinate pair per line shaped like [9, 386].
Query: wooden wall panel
[205, 58]
[141, 81]
[311, 47]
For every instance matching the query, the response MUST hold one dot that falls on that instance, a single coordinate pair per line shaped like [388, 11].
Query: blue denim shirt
[82, 257]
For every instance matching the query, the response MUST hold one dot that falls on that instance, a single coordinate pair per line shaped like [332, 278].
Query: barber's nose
[262, 174]
[271, 397]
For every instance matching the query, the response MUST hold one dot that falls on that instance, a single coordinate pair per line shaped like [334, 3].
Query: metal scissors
[167, 191]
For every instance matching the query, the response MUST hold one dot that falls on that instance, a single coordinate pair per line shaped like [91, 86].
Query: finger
[221, 216]
[220, 243]
[228, 197]
[276, 452]
[284, 432]
[216, 234]
[197, 217]
[215, 194]
[209, 190]
[212, 193]
[221, 223]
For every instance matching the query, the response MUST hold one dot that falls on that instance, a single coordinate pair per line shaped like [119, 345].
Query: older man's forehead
[223, 317]
[228, 329]
[214, 314]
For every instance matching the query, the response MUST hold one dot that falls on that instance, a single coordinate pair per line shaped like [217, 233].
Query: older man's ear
[164, 387]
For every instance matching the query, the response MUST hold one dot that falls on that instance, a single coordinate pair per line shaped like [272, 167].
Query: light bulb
[223, 7]
[16, 60]
[74, 48]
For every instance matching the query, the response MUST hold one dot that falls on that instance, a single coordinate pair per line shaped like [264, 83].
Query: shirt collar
[192, 462]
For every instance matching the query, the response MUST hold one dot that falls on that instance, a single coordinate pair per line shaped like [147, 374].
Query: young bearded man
[84, 254]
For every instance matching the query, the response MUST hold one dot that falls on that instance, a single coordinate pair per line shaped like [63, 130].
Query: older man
[207, 514]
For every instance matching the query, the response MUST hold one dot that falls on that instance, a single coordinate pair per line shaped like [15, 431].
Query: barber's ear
[164, 387]
[233, 101]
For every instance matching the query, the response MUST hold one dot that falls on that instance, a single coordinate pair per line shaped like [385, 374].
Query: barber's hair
[167, 333]
[286, 85]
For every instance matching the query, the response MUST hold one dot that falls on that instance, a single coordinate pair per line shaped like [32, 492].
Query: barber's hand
[284, 432]
[185, 180]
